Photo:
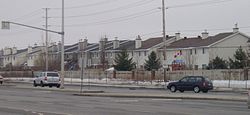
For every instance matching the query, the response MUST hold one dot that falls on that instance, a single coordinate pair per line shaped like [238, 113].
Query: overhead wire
[118, 19]
[128, 6]
[87, 5]
[199, 3]
[28, 15]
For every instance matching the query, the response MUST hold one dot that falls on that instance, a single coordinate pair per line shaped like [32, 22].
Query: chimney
[54, 47]
[29, 49]
[138, 42]
[6, 51]
[178, 36]
[80, 45]
[102, 43]
[59, 45]
[204, 34]
[116, 43]
[85, 43]
[14, 50]
[236, 29]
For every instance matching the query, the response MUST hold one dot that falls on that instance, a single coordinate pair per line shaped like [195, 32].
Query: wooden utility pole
[164, 39]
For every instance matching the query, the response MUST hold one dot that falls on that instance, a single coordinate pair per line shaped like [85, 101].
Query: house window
[14, 58]
[106, 54]
[139, 53]
[204, 66]
[8, 58]
[195, 51]
[145, 53]
[96, 55]
[203, 50]
[191, 51]
[132, 53]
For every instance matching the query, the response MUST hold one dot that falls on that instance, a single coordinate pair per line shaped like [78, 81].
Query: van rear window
[52, 74]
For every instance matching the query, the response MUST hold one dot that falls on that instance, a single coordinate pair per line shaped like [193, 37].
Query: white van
[47, 79]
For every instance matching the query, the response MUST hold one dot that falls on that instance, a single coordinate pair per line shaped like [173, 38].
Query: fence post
[248, 102]
[133, 75]
[152, 75]
[114, 74]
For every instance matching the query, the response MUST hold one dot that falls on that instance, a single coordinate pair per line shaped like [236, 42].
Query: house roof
[21, 51]
[145, 44]
[198, 41]
[153, 41]
[130, 45]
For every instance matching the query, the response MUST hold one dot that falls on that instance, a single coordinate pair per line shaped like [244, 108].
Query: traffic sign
[5, 25]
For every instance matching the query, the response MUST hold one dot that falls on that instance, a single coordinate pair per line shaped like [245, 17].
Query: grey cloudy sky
[124, 19]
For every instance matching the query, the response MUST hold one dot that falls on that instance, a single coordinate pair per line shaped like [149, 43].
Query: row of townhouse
[194, 52]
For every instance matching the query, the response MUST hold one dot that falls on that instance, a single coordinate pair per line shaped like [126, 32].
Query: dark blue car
[191, 83]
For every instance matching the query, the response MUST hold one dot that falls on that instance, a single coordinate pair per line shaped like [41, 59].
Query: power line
[28, 15]
[118, 19]
[87, 5]
[199, 3]
[212, 29]
[128, 6]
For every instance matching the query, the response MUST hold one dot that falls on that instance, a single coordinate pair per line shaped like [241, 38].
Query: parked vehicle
[47, 79]
[189, 83]
[1, 79]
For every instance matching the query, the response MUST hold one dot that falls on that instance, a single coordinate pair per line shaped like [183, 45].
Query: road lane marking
[42, 91]
[166, 99]
[126, 101]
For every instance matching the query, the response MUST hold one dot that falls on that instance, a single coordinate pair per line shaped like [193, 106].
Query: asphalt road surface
[126, 89]
[21, 101]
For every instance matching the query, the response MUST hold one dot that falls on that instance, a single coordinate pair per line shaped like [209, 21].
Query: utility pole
[62, 48]
[46, 41]
[164, 38]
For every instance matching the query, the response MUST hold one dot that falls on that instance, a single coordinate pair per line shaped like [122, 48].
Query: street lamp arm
[36, 28]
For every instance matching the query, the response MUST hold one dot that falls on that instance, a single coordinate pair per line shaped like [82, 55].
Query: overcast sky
[124, 19]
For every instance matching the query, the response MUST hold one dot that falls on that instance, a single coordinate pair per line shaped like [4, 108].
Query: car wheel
[42, 85]
[1, 82]
[205, 91]
[58, 86]
[181, 91]
[196, 89]
[50, 86]
[34, 84]
[173, 88]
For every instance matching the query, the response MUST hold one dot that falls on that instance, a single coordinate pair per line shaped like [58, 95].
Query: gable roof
[153, 41]
[198, 41]
[145, 44]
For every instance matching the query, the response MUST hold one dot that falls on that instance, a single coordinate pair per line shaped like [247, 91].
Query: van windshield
[52, 74]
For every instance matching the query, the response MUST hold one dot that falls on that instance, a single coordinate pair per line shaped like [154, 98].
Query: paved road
[130, 90]
[16, 101]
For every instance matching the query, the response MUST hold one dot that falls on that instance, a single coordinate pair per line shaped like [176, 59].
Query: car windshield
[52, 74]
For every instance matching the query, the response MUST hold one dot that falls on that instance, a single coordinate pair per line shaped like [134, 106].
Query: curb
[61, 90]
[157, 96]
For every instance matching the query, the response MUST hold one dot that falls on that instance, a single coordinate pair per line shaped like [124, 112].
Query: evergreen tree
[218, 63]
[152, 62]
[241, 60]
[123, 62]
